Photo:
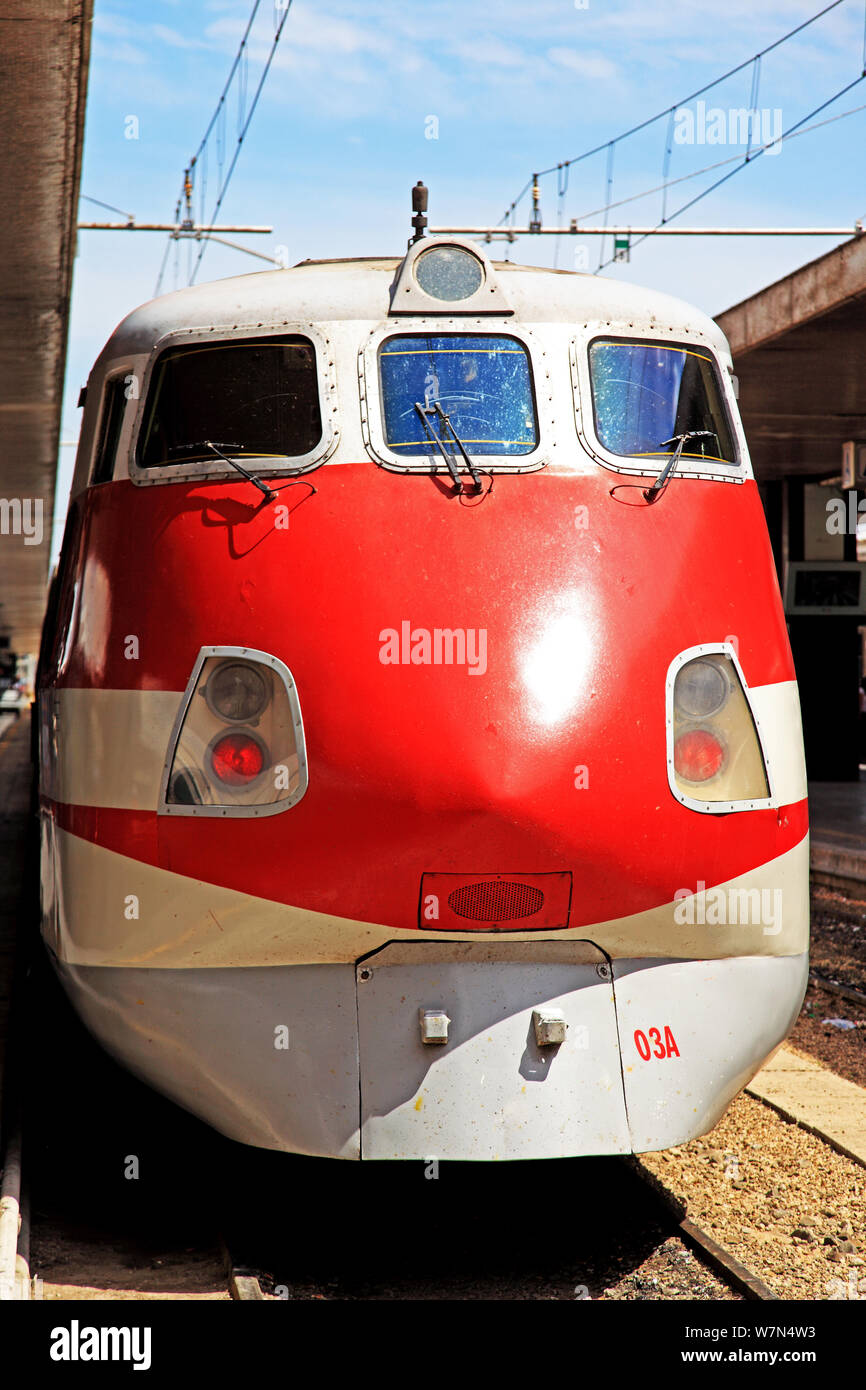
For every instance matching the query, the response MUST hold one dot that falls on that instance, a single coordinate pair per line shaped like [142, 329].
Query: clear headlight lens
[237, 691]
[702, 688]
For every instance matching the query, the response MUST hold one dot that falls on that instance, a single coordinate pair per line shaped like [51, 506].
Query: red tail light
[698, 755]
[237, 759]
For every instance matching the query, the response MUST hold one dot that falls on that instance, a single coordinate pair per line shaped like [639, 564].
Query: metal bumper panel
[490, 1092]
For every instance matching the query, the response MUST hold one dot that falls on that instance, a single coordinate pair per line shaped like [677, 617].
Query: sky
[365, 97]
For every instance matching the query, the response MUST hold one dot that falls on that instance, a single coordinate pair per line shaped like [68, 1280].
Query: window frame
[204, 469]
[115, 380]
[581, 377]
[372, 414]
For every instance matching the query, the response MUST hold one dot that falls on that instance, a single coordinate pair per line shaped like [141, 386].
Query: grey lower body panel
[268, 1056]
[328, 1059]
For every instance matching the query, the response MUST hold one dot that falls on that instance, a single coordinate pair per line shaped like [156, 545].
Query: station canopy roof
[799, 350]
[44, 51]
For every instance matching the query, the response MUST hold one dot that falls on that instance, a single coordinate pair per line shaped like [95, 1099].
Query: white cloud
[591, 65]
[163, 34]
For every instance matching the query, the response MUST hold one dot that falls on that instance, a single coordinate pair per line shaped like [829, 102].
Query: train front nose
[469, 749]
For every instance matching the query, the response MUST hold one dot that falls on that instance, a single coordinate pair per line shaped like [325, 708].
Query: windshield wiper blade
[268, 494]
[446, 420]
[653, 493]
[434, 439]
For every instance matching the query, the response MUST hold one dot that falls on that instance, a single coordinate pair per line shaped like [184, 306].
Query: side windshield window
[258, 397]
[482, 383]
[113, 406]
[644, 394]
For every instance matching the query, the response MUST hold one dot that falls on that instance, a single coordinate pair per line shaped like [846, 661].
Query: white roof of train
[329, 291]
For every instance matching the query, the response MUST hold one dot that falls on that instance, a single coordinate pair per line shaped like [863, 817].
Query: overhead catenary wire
[684, 100]
[217, 126]
[742, 165]
[130, 216]
[718, 164]
[245, 128]
[741, 161]
[228, 82]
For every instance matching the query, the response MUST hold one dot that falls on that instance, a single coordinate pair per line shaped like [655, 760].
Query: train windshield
[481, 382]
[257, 397]
[645, 394]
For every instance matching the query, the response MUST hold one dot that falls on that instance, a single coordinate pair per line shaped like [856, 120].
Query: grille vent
[496, 902]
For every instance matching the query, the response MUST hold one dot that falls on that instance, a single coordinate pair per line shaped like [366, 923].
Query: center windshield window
[482, 383]
[257, 397]
[644, 394]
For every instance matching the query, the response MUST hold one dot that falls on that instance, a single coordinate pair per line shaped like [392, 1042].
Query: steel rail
[732, 1270]
[846, 991]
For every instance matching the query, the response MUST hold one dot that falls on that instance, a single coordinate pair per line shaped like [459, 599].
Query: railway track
[659, 1253]
[857, 996]
[720, 1260]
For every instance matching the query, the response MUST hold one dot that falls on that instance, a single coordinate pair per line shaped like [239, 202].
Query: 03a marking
[655, 1045]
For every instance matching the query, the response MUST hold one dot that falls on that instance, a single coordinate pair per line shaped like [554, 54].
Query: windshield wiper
[268, 494]
[446, 420]
[233, 463]
[653, 493]
[436, 408]
[434, 439]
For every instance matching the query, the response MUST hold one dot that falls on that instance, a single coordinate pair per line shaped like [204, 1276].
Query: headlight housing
[237, 747]
[715, 759]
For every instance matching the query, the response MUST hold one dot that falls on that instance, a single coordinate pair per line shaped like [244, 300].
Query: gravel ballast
[778, 1198]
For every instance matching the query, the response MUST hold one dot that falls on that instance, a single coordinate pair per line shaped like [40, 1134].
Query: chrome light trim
[282, 672]
[712, 808]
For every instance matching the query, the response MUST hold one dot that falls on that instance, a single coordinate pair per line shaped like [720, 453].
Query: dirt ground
[838, 952]
[82, 1265]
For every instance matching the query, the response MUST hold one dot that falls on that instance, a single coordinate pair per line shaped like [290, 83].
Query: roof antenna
[419, 207]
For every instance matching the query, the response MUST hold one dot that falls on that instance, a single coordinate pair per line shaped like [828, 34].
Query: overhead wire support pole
[501, 234]
[178, 229]
[236, 246]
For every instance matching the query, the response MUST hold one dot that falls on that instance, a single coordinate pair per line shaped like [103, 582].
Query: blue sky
[341, 131]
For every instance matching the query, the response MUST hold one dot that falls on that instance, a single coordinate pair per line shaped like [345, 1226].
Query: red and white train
[421, 762]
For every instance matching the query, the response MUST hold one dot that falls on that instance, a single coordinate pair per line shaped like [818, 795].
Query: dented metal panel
[490, 1092]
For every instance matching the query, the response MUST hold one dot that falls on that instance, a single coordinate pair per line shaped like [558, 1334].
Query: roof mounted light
[449, 273]
[444, 275]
